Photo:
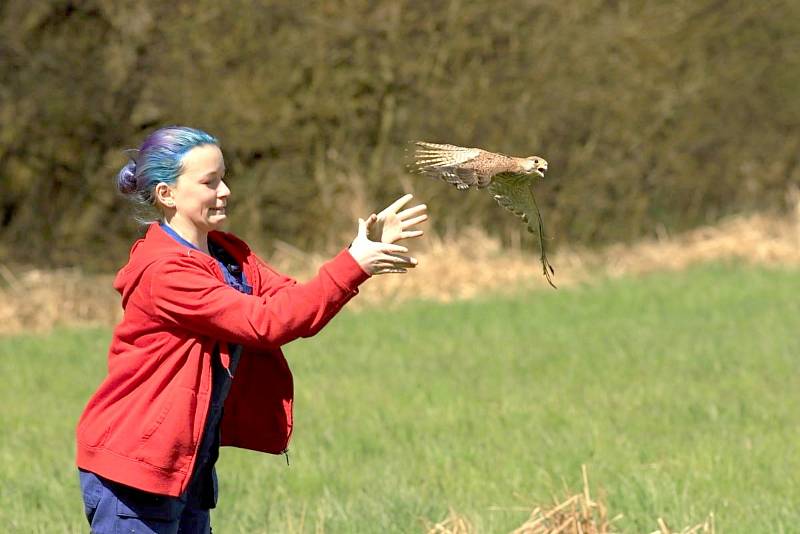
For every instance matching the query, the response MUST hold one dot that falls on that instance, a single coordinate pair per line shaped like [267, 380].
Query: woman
[201, 335]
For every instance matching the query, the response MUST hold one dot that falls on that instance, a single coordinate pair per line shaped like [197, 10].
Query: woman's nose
[223, 190]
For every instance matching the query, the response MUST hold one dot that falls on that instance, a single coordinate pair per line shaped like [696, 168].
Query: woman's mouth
[217, 211]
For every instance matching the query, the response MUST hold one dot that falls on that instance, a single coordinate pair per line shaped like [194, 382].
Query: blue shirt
[202, 490]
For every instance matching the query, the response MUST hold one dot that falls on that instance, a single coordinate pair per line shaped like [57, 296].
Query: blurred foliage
[653, 115]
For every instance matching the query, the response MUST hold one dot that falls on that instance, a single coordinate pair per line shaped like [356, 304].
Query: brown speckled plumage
[508, 178]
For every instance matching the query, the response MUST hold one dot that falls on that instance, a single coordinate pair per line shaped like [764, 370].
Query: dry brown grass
[576, 514]
[36, 300]
[475, 263]
[457, 268]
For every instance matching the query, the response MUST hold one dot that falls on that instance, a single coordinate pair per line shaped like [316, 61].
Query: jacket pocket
[93, 435]
[157, 422]
[258, 410]
[171, 440]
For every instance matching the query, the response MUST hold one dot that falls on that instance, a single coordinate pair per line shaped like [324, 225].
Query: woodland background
[655, 116]
[672, 129]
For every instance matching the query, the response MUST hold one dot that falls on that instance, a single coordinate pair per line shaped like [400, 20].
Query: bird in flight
[509, 180]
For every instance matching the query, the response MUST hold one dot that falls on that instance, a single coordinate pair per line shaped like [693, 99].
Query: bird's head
[534, 165]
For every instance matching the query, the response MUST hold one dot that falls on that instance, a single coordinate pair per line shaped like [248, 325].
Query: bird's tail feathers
[438, 146]
[428, 155]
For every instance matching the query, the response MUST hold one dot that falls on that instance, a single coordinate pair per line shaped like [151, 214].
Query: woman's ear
[165, 195]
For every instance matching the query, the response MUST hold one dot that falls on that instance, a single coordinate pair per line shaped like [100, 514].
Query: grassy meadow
[679, 391]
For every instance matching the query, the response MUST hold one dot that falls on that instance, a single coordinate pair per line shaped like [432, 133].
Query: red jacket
[143, 425]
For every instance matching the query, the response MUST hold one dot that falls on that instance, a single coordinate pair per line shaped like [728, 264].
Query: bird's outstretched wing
[515, 193]
[447, 163]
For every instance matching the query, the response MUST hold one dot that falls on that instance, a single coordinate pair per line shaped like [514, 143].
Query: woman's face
[200, 195]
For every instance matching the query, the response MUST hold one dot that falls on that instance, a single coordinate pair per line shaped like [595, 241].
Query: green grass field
[679, 391]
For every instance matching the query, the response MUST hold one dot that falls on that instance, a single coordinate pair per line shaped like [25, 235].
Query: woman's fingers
[391, 248]
[364, 226]
[411, 233]
[397, 204]
[410, 212]
[397, 260]
[378, 254]
[390, 270]
[415, 220]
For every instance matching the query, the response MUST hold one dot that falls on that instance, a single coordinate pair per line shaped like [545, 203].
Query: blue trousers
[113, 508]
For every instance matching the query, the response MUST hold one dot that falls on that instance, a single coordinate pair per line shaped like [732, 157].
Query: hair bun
[126, 179]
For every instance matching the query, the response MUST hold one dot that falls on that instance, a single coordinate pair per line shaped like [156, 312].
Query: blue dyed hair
[159, 159]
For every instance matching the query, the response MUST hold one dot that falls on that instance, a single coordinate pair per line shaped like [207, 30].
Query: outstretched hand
[376, 257]
[392, 225]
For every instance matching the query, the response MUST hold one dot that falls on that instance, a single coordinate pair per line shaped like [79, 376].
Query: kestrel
[508, 179]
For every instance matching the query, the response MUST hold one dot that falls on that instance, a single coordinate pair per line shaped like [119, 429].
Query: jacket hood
[157, 244]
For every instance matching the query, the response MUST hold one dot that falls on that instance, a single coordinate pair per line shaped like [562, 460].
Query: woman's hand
[376, 257]
[391, 226]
